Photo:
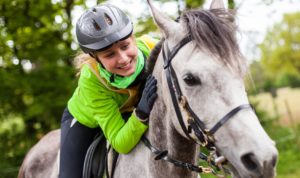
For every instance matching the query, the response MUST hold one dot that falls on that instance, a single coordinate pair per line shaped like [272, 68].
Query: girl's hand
[147, 100]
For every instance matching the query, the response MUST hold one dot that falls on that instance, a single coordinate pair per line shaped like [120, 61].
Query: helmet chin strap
[92, 55]
[96, 58]
[112, 77]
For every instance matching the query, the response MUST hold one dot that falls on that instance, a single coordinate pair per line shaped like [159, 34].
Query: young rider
[112, 71]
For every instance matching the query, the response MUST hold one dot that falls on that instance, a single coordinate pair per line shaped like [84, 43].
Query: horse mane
[153, 57]
[214, 31]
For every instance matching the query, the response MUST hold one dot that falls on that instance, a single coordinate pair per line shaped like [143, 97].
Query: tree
[281, 48]
[194, 4]
[36, 73]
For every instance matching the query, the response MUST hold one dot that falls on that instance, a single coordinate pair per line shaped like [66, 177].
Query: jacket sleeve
[104, 108]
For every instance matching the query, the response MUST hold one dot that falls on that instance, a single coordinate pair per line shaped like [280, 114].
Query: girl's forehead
[116, 46]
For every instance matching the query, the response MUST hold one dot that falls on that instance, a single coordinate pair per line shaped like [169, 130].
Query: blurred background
[37, 77]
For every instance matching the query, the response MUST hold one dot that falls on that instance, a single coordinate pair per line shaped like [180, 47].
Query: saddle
[94, 162]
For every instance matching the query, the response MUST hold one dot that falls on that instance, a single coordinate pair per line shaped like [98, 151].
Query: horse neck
[163, 135]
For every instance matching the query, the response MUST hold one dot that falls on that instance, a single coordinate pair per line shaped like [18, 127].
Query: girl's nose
[123, 58]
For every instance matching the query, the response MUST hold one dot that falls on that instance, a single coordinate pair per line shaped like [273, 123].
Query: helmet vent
[96, 25]
[108, 19]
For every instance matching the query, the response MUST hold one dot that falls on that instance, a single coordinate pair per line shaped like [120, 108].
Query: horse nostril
[269, 166]
[274, 161]
[249, 161]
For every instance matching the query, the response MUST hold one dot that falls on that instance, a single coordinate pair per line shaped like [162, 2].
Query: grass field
[286, 129]
[286, 105]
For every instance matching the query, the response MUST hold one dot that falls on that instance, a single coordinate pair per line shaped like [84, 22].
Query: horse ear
[165, 24]
[217, 4]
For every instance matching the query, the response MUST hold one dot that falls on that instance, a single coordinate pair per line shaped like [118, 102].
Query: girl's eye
[124, 47]
[191, 80]
[109, 55]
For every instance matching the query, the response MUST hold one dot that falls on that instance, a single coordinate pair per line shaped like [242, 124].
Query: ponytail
[80, 60]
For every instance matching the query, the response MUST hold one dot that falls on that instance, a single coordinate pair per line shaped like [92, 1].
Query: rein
[205, 136]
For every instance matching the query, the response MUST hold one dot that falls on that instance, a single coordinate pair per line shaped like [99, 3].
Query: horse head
[202, 81]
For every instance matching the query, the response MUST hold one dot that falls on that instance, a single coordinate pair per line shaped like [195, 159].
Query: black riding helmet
[101, 26]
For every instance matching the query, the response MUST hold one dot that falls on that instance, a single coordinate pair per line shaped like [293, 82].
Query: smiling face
[120, 58]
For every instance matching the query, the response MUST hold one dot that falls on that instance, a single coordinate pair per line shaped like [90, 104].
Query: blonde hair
[80, 60]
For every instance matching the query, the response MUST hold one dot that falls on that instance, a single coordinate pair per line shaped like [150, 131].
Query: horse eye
[191, 80]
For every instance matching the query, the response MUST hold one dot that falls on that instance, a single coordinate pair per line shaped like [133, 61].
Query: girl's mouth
[126, 66]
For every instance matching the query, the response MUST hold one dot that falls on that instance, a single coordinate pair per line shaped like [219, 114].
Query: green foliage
[281, 48]
[36, 74]
[287, 79]
[231, 4]
[190, 4]
[288, 145]
[280, 56]
[12, 145]
[37, 35]
[145, 25]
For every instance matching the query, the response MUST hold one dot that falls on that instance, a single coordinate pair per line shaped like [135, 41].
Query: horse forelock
[214, 32]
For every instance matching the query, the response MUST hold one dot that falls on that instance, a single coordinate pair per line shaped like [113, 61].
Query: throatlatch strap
[228, 116]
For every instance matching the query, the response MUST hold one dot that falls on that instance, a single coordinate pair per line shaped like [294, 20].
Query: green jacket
[93, 105]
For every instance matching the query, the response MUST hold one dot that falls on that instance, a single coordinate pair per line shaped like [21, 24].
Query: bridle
[194, 123]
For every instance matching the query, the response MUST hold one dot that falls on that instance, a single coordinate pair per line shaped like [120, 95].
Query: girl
[111, 73]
